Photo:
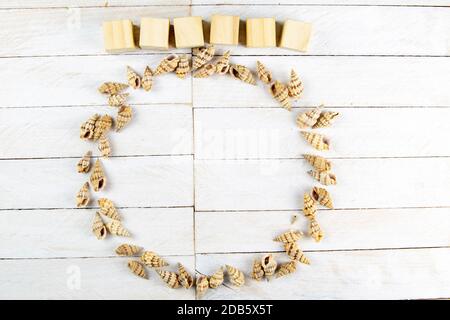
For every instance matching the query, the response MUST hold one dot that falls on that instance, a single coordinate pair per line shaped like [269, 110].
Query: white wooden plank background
[210, 170]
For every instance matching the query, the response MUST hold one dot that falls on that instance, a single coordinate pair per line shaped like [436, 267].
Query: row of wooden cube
[154, 33]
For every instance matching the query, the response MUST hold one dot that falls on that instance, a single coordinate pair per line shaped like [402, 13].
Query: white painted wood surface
[209, 171]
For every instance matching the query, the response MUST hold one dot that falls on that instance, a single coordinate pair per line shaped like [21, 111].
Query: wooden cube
[224, 30]
[118, 36]
[188, 32]
[295, 35]
[154, 33]
[261, 32]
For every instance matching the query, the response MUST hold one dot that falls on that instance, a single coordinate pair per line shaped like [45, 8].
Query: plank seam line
[143, 104]
[99, 257]
[180, 155]
[91, 208]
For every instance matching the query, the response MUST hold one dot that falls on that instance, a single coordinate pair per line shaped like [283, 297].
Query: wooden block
[188, 32]
[295, 35]
[118, 36]
[154, 33]
[261, 32]
[224, 30]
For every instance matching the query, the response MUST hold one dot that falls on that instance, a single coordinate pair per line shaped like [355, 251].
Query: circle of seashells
[107, 219]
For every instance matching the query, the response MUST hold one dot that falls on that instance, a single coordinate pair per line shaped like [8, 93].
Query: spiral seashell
[108, 209]
[326, 119]
[286, 268]
[88, 127]
[184, 277]
[134, 80]
[115, 227]
[127, 250]
[309, 206]
[168, 64]
[324, 177]
[84, 164]
[112, 87]
[295, 86]
[205, 71]
[257, 270]
[280, 93]
[289, 236]
[147, 79]
[314, 230]
[169, 277]
[263, 74]
[102, 126]
[104, 146]
[269, 265]
[216, 279]
[322, 196]
[98, 178]
[151, 259]
[83, 196]
[98, 227]
[183, 68]
[309, 118]
[294, 252]
[116, 100]
[137, 268]
[318, 162]
[124, 116]
[236, 276]
[201, 56]
[317, 141]
[223, 63]
[242, 73]
[202, 285]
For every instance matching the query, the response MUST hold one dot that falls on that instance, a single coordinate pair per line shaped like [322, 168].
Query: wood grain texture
[133, 182]
[390, 274]
[361, 183]
[337, 81]
[254, 133]
[223, 232]
[320, 2]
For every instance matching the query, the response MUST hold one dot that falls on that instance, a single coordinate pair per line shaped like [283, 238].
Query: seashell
[84, 164]
[134, 80]
[127, 250]
[309, 118]
[205, 71]
[202, 285]
[294, 218]
[318, 162]
[137, 268]
[83, 196]
[98, 179]
[169, 277]
[184, 277]
[87, 128]
[309, 206]
[286, 269]
[263, 74]
[124, 116]
[257, 270]
[322, 196]
[168, 64]
[295, 86]
[314, 230]
[269, 265]
[236, 276]
[115, 227]
[216, 279]
[116, 100]
[294, 252]
[151, 259]
[98, 227]
[108, 209]
[147, 79]
[201, 56]
[324, 177]
[223, 63]
[326, 119]
[104, 146]
[289, 236]
[102, 126]
[183, 68]
[280, 93]
[316, 140]
[242, 73]
[112, 87]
